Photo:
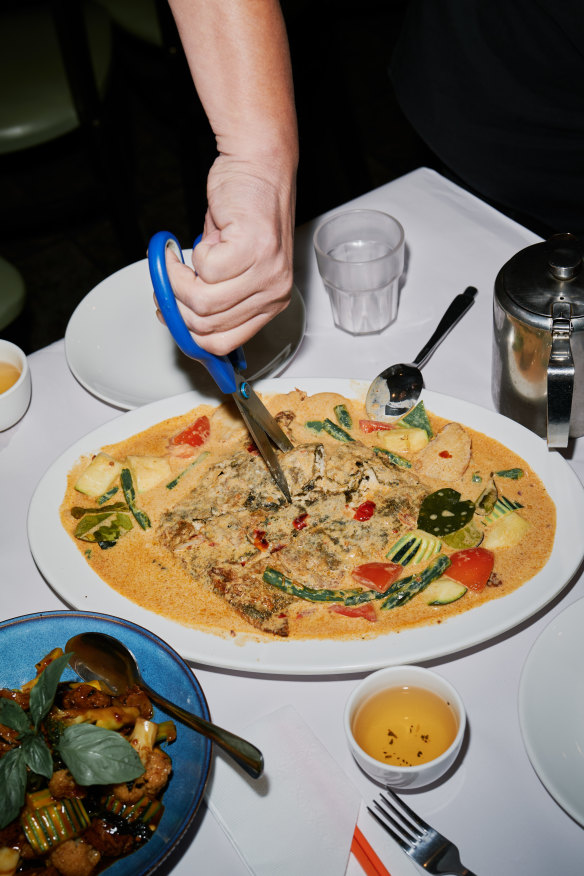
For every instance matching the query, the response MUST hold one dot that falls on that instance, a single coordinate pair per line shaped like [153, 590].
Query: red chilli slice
[365, 511]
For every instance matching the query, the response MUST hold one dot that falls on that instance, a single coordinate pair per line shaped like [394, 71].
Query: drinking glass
[360, 255]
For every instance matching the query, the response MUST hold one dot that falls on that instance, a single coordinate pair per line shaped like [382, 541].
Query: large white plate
[120, 352]
[551, 709]
[65, 569]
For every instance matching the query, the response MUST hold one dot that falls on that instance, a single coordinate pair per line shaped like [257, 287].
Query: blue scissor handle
[221, 368]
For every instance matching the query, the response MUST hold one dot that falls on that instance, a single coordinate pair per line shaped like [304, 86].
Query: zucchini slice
[50, 825]
[502, 507]
[444, 591]
[414, 547]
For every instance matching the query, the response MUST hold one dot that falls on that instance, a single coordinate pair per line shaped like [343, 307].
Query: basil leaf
[12, 715]
[37, 756]
[43, 693]
[12, 785]
[96, 756]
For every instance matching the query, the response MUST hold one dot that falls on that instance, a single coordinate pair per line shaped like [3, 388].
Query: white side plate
[551, 709]
[119, 351]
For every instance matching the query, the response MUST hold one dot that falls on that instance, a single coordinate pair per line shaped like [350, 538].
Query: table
[494, 804]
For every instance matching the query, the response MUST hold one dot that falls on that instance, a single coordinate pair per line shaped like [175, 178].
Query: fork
[428, 848]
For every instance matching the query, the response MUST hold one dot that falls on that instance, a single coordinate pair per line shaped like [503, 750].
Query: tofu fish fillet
[235, 523]
[447, 456]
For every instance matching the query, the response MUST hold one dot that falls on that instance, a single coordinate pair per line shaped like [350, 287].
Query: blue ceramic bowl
[25, 640]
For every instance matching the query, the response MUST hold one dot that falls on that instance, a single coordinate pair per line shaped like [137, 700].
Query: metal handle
[560, 377]
[247, 755]
[457, 308]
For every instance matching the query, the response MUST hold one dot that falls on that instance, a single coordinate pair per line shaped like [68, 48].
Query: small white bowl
[15, 401]
[417, 775]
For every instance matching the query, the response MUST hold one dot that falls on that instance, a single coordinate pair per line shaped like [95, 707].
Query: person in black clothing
[495, 88]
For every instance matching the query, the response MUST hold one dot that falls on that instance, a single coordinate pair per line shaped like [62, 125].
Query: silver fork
[428, 848]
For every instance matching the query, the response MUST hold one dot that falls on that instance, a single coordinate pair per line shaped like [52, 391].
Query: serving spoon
[103, 658]
[396, 390]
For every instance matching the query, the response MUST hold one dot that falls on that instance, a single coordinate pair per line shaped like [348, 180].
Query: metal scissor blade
[265, 448]
[257, 410]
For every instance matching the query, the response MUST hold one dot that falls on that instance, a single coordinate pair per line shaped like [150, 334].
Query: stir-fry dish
[390, 526]
[82, 774]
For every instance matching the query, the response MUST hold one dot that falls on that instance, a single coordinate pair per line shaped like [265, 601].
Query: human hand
[243, 263]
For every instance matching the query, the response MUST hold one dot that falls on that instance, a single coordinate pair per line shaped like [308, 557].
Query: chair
[55, 63]
[12, 293]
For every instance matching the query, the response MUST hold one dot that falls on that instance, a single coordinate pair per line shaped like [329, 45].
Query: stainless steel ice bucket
[538, 341]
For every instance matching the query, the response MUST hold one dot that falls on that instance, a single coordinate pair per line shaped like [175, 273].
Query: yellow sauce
[9, 374]
[142, 570]
[404, 726]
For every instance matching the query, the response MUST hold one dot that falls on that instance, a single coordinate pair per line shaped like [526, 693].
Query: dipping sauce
[403, 726]
[9, 374]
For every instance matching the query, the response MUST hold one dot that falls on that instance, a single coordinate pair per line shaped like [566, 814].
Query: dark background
[56, 221]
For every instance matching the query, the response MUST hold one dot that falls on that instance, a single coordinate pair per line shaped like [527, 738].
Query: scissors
[225, 370]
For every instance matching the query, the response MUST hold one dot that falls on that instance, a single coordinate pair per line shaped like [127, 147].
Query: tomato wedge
[368, 426]
[196, 434]
[471, 567]
[377, 576]
[366, 611]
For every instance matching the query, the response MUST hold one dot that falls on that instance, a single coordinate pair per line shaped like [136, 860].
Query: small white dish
[416, 775]
[118, 350]
[15, 400]
[551, 709]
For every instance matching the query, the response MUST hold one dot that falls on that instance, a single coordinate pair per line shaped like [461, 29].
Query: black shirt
[496, 90]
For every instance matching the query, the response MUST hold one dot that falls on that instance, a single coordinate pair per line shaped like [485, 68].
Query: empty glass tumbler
[360, 255]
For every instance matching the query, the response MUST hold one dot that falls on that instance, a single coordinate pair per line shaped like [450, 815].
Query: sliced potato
[148, 471]
[506, 532]
[402, 440]
[99, 475]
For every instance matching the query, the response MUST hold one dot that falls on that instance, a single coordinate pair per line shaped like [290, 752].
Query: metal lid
[542, 274]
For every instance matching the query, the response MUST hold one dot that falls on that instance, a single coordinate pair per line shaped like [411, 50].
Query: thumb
[217, 258]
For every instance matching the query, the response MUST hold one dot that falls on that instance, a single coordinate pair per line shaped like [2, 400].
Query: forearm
[237, 51]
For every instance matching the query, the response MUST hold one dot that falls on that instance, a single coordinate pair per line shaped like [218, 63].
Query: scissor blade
[258, 411]
[265, 448]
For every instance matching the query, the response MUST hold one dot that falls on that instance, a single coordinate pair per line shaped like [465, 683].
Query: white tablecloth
[493, 805]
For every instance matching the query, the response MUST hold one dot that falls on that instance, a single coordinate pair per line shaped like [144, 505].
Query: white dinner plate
[119, 351]
[65, 569]
[551, 709]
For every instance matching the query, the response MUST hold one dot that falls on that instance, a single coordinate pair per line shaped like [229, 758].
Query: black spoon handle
[456, 310]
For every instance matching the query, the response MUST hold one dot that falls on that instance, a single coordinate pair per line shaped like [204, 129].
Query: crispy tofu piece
[447, 456]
